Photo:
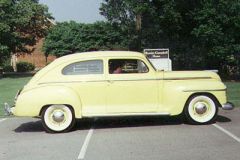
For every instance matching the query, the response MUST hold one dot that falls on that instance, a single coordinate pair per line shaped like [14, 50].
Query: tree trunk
[46, 59]
[139, 31]
[138, 22]
[14, 62]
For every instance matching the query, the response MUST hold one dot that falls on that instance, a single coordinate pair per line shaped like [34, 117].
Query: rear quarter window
[84, 67]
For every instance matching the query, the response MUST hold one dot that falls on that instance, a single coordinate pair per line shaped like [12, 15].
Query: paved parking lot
[123, 138]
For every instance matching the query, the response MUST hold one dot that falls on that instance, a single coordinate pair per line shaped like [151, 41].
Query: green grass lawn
[233, 92]
[10, 86]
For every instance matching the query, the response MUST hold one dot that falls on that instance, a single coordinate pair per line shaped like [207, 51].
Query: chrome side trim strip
[186, 78]
[206, 90]
[182, 78]
[102, 81]
[71, 82]
[135, 80]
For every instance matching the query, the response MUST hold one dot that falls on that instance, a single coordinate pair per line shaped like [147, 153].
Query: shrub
[25, 67]
[7, 68]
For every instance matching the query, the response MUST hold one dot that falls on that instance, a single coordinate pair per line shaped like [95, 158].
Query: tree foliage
[70, 37]
[217, 32]
[201, 34]
[22, 23]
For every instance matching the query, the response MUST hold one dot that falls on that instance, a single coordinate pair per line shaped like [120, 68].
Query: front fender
[177, 92]
[30, 102]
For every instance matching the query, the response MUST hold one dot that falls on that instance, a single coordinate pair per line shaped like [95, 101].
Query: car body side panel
[93, 97]
[30, 102]
[133, 95]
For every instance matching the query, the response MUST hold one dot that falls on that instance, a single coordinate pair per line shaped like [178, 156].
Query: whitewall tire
[201, 109]
[58, 118]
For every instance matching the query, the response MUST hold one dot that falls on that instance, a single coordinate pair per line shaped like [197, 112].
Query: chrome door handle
[110, 81]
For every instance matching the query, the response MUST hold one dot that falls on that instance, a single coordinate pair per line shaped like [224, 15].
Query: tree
[128, 15]
[217, 31]
[70, 37]
[200, 34]
[153, 19]
[23, 22]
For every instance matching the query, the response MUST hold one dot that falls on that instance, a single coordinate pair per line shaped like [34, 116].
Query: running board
[127, 114]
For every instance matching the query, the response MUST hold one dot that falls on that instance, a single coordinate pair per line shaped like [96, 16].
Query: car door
[131, 87]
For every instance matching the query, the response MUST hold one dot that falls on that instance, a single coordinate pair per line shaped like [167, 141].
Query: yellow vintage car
[117, 83]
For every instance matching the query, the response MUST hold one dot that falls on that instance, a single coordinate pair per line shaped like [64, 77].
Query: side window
[84, 67]
[123, 66]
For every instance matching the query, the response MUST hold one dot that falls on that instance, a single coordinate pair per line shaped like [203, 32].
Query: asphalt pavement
[123, 138]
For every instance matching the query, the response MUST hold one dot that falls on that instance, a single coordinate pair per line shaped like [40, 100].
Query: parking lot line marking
[85, 144]
[227, 132]
[1, 120]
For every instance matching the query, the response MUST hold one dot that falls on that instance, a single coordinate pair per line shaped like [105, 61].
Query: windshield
[150, 63]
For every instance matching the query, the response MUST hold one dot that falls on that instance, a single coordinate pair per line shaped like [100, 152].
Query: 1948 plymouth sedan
[117, 83]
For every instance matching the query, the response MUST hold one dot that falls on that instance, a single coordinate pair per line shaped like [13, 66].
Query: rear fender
[30, 102]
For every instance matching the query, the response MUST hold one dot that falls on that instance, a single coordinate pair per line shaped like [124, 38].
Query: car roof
[83, 55]
[96, 54]
[93, 54]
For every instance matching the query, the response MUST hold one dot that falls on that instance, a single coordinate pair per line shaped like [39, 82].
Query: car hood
[188, 75]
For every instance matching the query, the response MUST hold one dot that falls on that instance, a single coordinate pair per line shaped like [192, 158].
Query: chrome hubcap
[200, 108]
[58, 116]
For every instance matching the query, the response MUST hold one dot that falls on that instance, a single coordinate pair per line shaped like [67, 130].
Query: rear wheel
[201, 109]
[58, 118]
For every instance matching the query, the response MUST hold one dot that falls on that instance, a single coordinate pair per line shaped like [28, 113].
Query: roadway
[127, 138]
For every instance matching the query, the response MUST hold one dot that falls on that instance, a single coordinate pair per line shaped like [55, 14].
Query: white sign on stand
[159, 58]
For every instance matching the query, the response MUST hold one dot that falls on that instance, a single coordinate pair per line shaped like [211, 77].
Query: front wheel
[201, 109]
[58, 118]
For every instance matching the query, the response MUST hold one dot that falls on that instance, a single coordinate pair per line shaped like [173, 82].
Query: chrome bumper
[228, 106]
[7, 109]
